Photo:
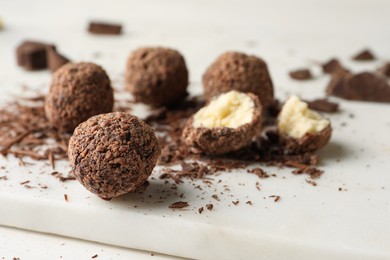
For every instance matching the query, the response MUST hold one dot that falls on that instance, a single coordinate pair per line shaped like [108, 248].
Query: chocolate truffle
[113, 154]
[303, 130]
[237, 71]
[157, 76]
[77, 92]
[226, 124]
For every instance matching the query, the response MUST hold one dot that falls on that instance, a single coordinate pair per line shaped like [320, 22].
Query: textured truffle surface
[157, 76]
[113, 154]
[77, 92]
[237, 71]
[222, 140]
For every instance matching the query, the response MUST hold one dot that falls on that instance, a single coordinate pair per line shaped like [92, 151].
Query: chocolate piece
[179, 205]
[364, 86]
[237, 71]
[219, 139]
[157, 76]
[113, 154]
[309, 142]
[77, 92]
[32, 55]
[301, 74]
[385, 69]
[323, 105]
[104, 28]
[365, 55]
[332, 66]
[55, 60]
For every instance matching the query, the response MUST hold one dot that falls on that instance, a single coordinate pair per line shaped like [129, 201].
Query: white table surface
[287, 34]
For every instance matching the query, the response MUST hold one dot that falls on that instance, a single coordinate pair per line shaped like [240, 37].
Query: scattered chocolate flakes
[96, 27]
[179, 205]
[25, 182]
[200, 210]
[3, 178]
[63, 178]
[259, 172]
[215, 196]
[365, 55]
[385, 69]
[313, 172]
[332, 66]
[249, 202]
[301, 74]
[94, 256]
[209, 207]
[66, 197]
[276, 197]
[236, 202]
[323, 105]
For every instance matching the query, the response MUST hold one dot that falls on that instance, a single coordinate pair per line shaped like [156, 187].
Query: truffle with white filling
[226, 124]
[157, 76]
[77, 92]
[241, 72]
[113, 154]
[302, 129]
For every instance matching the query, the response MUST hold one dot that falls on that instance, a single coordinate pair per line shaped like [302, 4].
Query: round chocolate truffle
[113, 154]
[237, 71]
[226, 124]
[77, 92]
[157, 76]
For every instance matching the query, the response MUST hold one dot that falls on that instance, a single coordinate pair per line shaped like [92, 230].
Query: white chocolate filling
[296, 119]
[232, 109]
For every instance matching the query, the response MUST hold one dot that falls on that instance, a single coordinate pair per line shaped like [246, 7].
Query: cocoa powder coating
[157, 76]
[77, 92]
[241, 72]
[113, 154]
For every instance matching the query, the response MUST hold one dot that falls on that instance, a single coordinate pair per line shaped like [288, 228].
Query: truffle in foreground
[77, 92]
[226, 124]
[303, 130]
[113, 154]
[157, 76]
[241, 72]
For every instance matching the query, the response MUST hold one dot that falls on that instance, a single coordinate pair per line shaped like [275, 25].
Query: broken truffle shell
[226, 124]
[77, 92]
[113, 154]
[241, 72]
[157, 76]
[301, 129]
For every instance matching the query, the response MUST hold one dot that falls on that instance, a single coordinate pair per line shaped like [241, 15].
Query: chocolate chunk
[332, 66]
[323, 105]
[301, 74]
[32, 55]
[385, 69]
[105, 28]
[241, 72]
[55, 60]
[365, 55]
[338, 84]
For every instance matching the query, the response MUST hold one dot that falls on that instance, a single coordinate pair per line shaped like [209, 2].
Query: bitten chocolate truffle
[226, 124]
[237, 71]
[77, 92]
[113, 154]
[303, 130]
[157, 76]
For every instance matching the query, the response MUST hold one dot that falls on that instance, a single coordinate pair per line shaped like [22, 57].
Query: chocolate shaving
[94, 256]
[62, 178]
[179, 205]
[276, 197]
[25, 182]
[301, 74]
[66, 197]
[200, 210]
[209, 207]
[259, 172]
[323, 105]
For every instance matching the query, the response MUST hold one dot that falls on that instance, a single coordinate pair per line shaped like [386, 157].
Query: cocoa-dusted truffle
[303, 130]
[226, 124]
[237, 71]
[113, 154]
[77, 92]
[157, 76]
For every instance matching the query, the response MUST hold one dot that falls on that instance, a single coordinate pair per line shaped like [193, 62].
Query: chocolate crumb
[209, 206]
[249, 202]
[179, 205]
[276, 197]
[236, 202]
[215, 196]
[323, 105]
[259, 172]
[94, 256]
[200, 210]
[25, 182]
[365, 55]
[66, 197]
[301, 74]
